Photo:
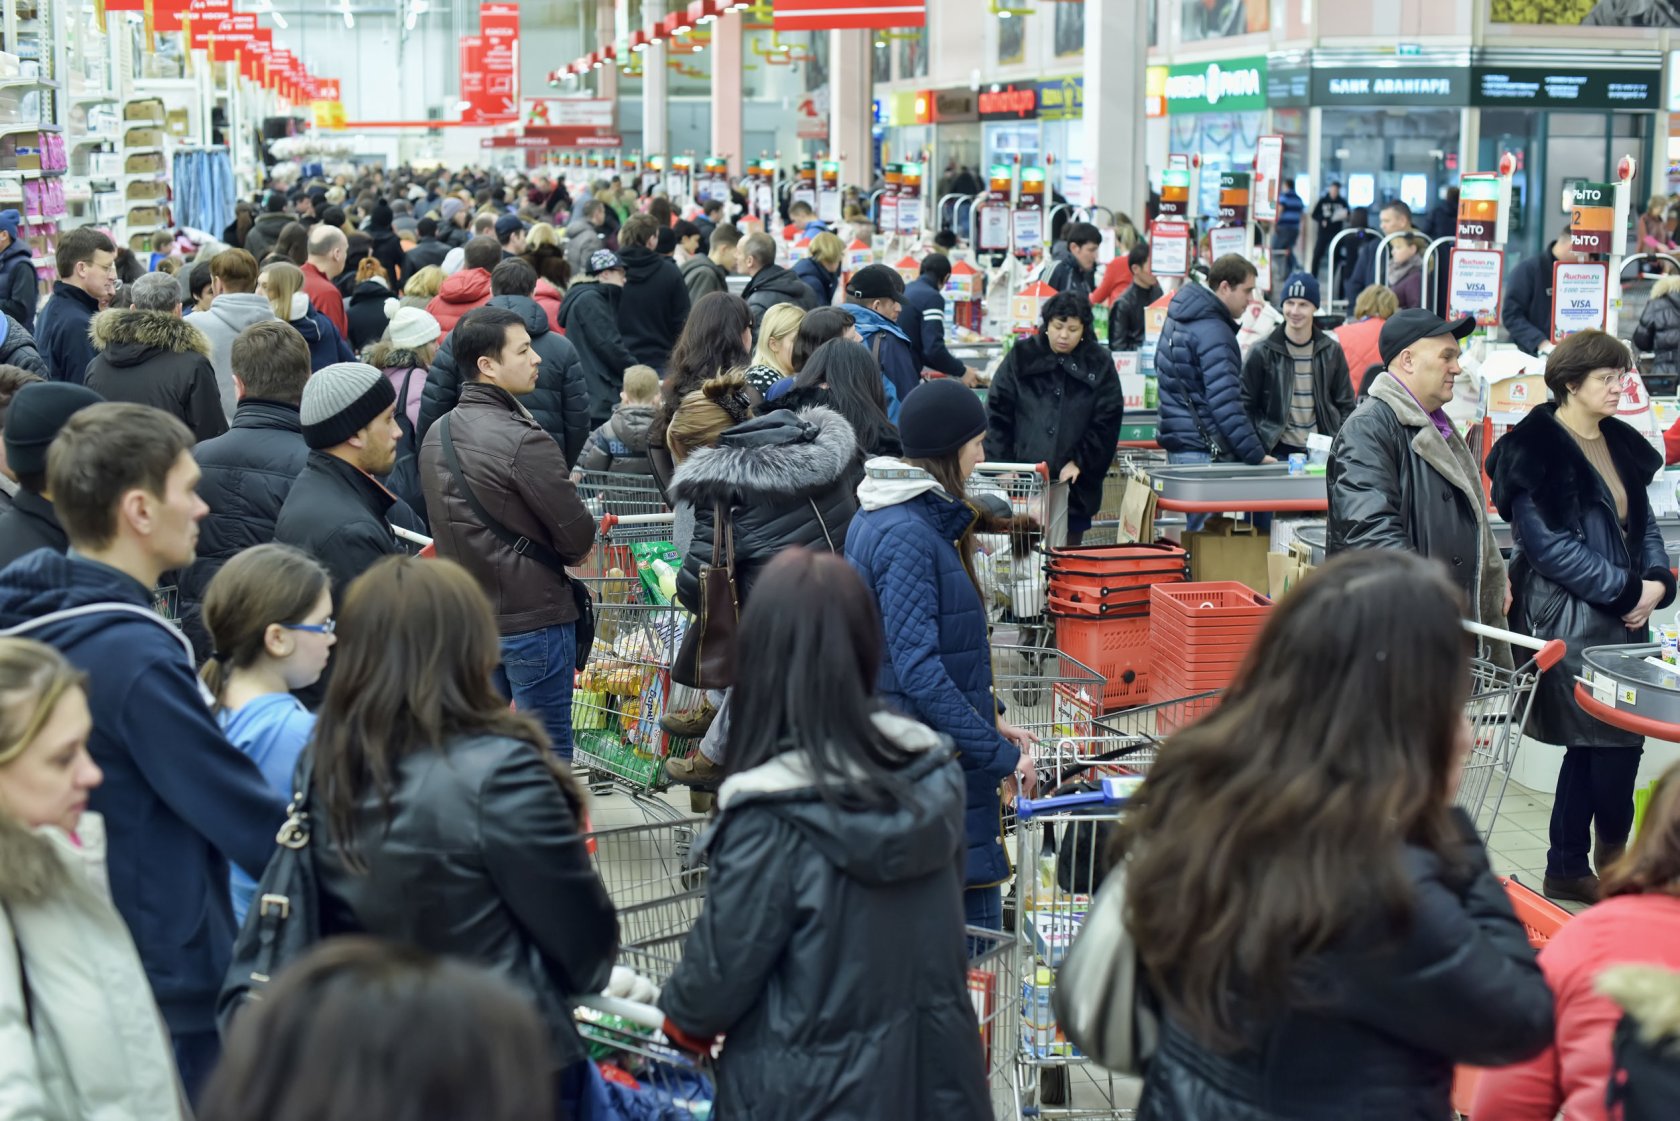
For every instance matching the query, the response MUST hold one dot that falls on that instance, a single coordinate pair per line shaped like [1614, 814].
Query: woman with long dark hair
[716, 339]
[1317, 918]
[913, 542]
[845, 377]
[445, 820]
[830, 948]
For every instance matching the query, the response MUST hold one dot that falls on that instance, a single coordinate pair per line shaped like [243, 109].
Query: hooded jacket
[549, 298]
[1268, 384]
[892, 351]
[342, 517]
[326, 345]
[459, 294]
[159, 359]
[582, 239]
[560, 403]
[426, 251]
[20, 288]
[28, 525]
[365, 309]
[1057, 409]
[830, 948]
[590, 318]
[61, 333]
[17, 347]
[621, 444]
[1198, 368]
[387, 246]
[229, 314]
[822, 283]
[655, 305]
[479, 854]
[179, 800]
[938, 668]
[1575, 571]
[781, 479]
[774, 285]
[1395, 483]
[85, 1039]
[703, 276]
[1392, 1009]
[1658, 332]
[264, 232]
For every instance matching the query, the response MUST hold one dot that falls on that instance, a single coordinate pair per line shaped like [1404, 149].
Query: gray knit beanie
[342, 399]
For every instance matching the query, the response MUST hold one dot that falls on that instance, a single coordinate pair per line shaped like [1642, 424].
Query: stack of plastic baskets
[1198, 636]
[1099, 598]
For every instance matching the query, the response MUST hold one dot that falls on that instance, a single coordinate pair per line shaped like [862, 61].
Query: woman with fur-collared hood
[80, 1035]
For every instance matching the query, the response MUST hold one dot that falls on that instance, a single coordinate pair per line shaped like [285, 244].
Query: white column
[655, 121]
[851, 85]
[1116, 38]
[727, 60]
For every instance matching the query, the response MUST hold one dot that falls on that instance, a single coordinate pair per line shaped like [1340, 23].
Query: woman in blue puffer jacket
[913, 542]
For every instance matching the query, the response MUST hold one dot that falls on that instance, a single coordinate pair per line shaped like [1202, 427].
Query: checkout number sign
[1475, 284]
[1580, 297]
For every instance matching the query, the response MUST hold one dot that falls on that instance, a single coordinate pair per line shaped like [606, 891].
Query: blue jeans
[1192, 522]
[1594, 792]
[536, 675]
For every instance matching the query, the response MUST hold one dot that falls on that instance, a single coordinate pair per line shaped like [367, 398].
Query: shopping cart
[1010, 566]
[1500, 701]
[626, 687]
[619, 493]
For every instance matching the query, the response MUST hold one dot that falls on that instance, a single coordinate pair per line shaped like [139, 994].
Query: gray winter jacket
[229, 314]
[581, 240]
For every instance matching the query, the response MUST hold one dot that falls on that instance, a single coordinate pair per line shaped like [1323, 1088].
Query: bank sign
[1233, 85]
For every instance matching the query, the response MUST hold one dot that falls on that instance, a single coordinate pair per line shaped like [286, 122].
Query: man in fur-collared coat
[148, 355]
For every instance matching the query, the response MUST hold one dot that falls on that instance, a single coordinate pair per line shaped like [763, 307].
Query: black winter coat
[654, 308]
[365, 310]
[426, 251]
[247, 473]
[781, 479]
[326, 345]
[481, 856]
[1268, 384]
[29, 525]
[388, 251]
[1198, 368]
[1392, 1012]
[1576, 571]
[560, 403]
[1659, 327]
[20, 288]
[1057, 409]
[1526, 309]
[774, 285]
[822, 283]
[61, 333]
[17, 348]
[830, 949]
[589, 316]
[342, 517]
[1126, 330]
[158, 359]
[264, 232]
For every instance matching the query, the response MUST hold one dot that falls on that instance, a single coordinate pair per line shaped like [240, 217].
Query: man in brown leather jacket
[501, 504]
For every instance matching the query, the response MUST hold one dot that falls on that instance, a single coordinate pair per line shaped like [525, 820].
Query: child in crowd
[269, 614]
[621, 444]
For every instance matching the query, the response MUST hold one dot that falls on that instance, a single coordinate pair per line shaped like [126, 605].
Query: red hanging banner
[494, 97]
[230, 35]
[839, 15]
[202, 18]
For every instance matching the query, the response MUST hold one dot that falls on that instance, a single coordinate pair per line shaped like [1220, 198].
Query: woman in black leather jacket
[443, 819]
[1590, 567]
[1318, 919]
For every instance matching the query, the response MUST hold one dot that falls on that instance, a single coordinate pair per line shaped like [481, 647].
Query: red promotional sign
[575, 136]
[833, 15]
[166, 14]
[327, 89]
[472, 75]
[230, 35]
[493, 94]
[203, 17]
[255, 52]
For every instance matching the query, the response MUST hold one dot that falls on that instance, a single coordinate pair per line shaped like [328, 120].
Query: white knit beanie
[411, 327]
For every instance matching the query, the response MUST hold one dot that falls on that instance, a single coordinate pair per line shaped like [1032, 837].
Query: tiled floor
[1517, 844]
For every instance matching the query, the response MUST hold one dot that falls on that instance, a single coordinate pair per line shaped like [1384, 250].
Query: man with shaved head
[328, 248]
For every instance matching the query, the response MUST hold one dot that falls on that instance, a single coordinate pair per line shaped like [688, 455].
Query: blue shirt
[272, 730]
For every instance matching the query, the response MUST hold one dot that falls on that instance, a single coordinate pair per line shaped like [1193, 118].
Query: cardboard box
[143, 138]
[144, 109]
[1224, 549]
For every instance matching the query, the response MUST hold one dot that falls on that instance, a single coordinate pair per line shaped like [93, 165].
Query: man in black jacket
[927, 295]
[20, 290]
[1526, 309]
[427, 251]
[769, 284]
[1077, 272]
[589, 317]
[1126, 329]
[1395, 484]
[560, 401]
[1329, 215]
[36, 414]
[87, 276]
[249, 470]
[265, 231]
[149, 355]
[1295, 381]
[655, 304]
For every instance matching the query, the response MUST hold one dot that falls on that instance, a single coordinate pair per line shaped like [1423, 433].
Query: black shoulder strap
[23, 975]
[524, 546]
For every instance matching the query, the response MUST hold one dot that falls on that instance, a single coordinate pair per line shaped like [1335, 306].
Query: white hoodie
[888, 482]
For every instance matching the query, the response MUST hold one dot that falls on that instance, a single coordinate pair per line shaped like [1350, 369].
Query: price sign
[1592, 218]
[1223, 240]
[1478, 208]
[1475, 279]
[1580, 294]
[1268, 170]
[828, 191]
[1169, 248]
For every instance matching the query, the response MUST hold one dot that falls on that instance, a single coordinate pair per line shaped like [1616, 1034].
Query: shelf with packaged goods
[143, 152]
[24, 129]
[97, 97]
[30, 84]
[94, 138]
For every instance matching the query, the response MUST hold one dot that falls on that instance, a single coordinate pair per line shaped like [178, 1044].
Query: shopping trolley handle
[1040, 469]
[410, 536]
[1113, 791]
[1548, 652]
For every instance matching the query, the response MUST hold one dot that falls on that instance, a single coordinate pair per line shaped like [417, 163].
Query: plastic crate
[1132, 603]
[1116, 648]
[1117, 558]
[1226, 601]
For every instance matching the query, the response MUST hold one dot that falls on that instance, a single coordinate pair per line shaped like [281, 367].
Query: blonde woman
[545, 251]
[80, 1035]
[282, 285]
[821, 270]
[422, 286]
[773, 359]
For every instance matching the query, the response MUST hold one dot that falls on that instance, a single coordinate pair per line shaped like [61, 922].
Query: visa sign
[1232, 85]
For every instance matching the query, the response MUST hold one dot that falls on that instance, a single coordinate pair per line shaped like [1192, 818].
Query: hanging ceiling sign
[841, 15]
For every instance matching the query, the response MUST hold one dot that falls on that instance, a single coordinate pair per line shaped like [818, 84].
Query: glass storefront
[1380, 155]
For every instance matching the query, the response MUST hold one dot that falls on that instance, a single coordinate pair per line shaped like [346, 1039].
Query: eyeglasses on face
[327, 627]
[1608, 378]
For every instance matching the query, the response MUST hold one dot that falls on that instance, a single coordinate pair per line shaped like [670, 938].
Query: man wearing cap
[20, 291]
[1400, 475]
[873, 296]
[590, 319]
[36, 414]
[510, 232]
[337, 511]
[1295, 381]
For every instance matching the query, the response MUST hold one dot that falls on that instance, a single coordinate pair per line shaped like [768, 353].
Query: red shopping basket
[1117, 648]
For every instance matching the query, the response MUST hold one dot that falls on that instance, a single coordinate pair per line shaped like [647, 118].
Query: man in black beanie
[36, 414]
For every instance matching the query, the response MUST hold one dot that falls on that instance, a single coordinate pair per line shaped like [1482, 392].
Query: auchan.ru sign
[1230, 85]
[1019, 102]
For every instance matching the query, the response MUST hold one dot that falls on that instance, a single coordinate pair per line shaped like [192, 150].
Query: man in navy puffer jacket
[1199, 369]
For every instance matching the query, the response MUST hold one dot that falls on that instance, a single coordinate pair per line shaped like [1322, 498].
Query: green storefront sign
[1232, 85]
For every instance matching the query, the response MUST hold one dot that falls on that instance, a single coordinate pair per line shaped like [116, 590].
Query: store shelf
[41, 219]
[21, 173]
[94, 99]
[21, 129]
[142, 124]
[93, 138]
[29, 84]
[142, 151]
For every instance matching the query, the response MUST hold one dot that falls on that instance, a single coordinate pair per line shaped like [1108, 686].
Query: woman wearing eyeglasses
[269, 614]
[1589, 568]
